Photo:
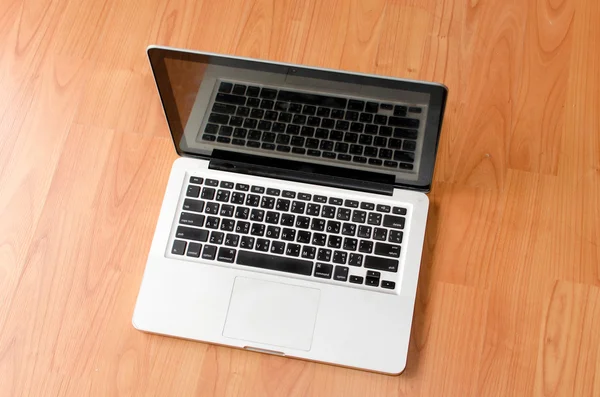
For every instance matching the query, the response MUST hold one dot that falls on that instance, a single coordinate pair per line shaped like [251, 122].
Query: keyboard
[369, 133]
[322, 237]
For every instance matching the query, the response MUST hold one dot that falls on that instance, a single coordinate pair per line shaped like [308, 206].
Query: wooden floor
[509, 293]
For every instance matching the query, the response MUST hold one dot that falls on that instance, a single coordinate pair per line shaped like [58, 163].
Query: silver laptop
[293, 221]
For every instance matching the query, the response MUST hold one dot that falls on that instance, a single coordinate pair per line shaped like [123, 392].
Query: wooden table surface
[509, 293]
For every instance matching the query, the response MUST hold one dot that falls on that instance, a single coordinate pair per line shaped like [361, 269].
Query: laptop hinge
[298, 171]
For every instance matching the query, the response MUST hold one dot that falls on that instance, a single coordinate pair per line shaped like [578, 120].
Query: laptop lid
[403, 117]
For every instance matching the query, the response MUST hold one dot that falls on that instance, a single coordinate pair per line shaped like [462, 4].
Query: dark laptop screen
[357, 122]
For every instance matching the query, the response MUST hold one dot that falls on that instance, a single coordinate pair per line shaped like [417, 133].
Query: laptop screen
[363, 123]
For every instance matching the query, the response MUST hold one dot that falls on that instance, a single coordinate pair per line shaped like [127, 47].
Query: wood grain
[509, 294]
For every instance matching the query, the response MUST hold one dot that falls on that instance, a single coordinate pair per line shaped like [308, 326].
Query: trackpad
[272, 313]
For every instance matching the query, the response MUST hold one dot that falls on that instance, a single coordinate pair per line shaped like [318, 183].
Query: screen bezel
[437, 94]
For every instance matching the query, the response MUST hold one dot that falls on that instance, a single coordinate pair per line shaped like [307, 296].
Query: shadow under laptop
[420, 326]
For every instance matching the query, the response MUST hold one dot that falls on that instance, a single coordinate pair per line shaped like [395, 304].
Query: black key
[337, 114]
[252, 200]
[273, 192]
[402, 122]
[308, 252]
[380, 119]
[372, 107]
[283, 139]
[371, 129]
[251, 123]
[278, 127]
[409, 145]
[367, 206]
[257, 215]
[395, 143]
[193, 205]
[350, 244]
[178, 247]
[415, 110]
[258, 229]
[327, 123]
[267, 104]
[288, 219]
[406, 166]
[309, 110]
[392, 221]
[264, 125]
[399, 211]
[334, 242]
[281, 106]
[357, 127]
[356, 260]
[348, 229]
[340, 273]
[365, 246]
[384, 249]
[356, 279]
[211, 128]
[329, 155]
[253, 102]
[342, 125]
[304, 196]
[209, 252]
[208, 193]
[298, 150]
[242, 212]
[351, 137]
[313, 121]
[343, 214]
[359, 159]
[218, 118]
[194, 250]
[379, 234]
[324, 254]
[271, 262]
[223, 108]
[400, 111]
[298, 207]
[377, 263]
[268, 139]
[268, 93]
[383, 208]
[307, 131]
[359, 216]
[239, 89]
[388, 284]
[370, 151]
[333, 227]
[323, 270]
[365, 140]
[304, 237]
[372, 281]
[190, 233]
[231, 99]
[193, 191]
[242, 227]
[212, 222]
[247, 242]
[288, 234]
[242, 111]
[223, 196]
[262, 245]
[395, 236]
[292, 129]
[288, 194]
[252, 91]
[341, 147]
[314, 153]
[321, 133]
[232, 240]
[226, 255]
[227, 210]
[351, 116]
[225, 87]
[312, 99]
[273, 232]
[340, 257]
[236, 121]
[278, 247]
[257, 114]
[364, 231]
[210, 138]
[295, 108]
[380, 141]
[320, 199]
[365, 118]
[227, 225]
[356, 105]
[336, 135]
[326, 145]
[238, 198]
[258, 189]
[406, 157]
[323, 112]
[328, 212]
[223, 139]
[292, 249]
[283, 205]
[374, 219]
[387, 106]
[356, 149]
[319, 239]
[391, 164]
[385, 131]
[268, 202]
[299, 119]
[271, 115]
[216, 237]
[375, 162]
[188, 218]
[312, 143]
[240, 133]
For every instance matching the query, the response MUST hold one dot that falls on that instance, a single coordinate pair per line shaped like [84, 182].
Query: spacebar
[272, 262]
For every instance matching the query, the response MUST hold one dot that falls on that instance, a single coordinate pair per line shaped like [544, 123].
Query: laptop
[293, 220]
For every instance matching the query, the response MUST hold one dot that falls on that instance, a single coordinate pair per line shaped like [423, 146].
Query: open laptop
[293, 222]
